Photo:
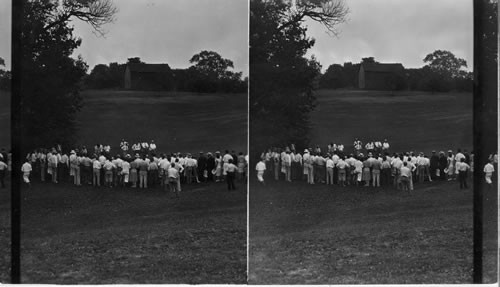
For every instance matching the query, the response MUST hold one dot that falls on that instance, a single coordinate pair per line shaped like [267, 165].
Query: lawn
[92, 235]
[177, 122]
[110, 236]
[302, 234]
[5, 119]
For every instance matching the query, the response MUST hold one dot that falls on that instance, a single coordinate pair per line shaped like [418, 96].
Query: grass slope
[321, 235]
[88, 235]
[330, 235]
[4, 119]
[177, 122]
[415, 121]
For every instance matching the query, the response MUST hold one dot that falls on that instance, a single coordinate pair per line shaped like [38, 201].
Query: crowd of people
[5, 165]
[372, 165]
[137, 167]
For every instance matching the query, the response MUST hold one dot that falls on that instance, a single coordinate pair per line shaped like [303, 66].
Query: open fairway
[416, 121]
[5, 119]
[303, 234]
[92, 235]
[124, 235]
[177, 122]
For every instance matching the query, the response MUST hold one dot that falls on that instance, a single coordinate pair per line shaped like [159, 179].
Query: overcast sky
[5, 31]
[170, 31]
[397, 31]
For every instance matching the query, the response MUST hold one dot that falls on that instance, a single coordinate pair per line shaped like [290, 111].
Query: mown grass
[322, 235]
[100, 235]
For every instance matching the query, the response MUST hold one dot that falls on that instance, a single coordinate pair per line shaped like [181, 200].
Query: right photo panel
[361, 143]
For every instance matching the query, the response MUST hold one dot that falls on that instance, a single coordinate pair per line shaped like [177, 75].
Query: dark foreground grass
[177, 122]
[319, 235]
[5, 232]
[302, 234]
[97, 236]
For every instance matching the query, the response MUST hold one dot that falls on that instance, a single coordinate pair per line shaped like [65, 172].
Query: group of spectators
[374, 166]
[5, 165]
[143, 168]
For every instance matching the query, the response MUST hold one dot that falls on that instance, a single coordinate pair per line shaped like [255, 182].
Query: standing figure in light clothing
[26, 170]
[173, 179]
[96, 166]
[260, 168]
[488, 172]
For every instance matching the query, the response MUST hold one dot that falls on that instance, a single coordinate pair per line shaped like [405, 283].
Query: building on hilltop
[378, 76]
[140, 76]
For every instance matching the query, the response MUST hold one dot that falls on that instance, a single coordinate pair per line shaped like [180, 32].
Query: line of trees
[5, 76]
[443, 72]
[209, 73]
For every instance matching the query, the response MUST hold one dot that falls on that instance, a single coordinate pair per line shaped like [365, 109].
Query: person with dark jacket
[434, 164]
[443, 163]
[211, 166]
[202, 167]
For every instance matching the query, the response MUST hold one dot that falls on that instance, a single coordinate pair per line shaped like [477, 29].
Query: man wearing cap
[462, 168]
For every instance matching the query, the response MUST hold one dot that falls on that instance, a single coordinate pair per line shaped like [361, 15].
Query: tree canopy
[50, 81]
[282, 79]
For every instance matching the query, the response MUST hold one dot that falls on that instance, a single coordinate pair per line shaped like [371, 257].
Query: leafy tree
[5, 77]
[211, 72]
[445, 64]
[333, 78]
[368, 60]
[281, 77]
[51, 78]
[134, 60]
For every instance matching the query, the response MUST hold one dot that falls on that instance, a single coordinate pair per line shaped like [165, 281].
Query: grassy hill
[177, 122]
[416, 121]
[4, 119]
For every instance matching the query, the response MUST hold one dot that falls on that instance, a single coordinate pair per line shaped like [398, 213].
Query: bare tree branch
[96, 13]
[329, 13]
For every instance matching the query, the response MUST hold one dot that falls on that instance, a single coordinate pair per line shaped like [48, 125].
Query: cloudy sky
[5, 31]
[170, 31]
[397, 31]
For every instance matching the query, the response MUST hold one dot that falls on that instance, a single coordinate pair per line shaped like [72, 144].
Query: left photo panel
[133, 136]
[5, 141]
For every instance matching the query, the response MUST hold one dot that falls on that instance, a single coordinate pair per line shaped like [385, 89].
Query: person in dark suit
[202, 167]
[434, 164]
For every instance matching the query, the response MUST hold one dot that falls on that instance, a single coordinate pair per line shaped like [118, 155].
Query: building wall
[361, 78]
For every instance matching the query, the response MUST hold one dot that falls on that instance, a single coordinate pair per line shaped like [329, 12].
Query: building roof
[148, 68]
[383, 68]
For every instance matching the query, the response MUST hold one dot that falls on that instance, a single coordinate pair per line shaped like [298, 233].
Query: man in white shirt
[53, 162]
[385, 146]
[462, 169]
[96, 174]
[26, 169]
[297, 170]
[152, 146]
[342, 167]
[173, 179]
[329, 171]
[488, 172]
[260, 168]
[308, 166]
[287, 164]
[405, 176]
[74, 163]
